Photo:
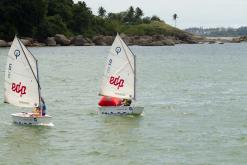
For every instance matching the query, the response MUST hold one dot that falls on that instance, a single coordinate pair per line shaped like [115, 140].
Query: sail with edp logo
[119, 80]
[22, 87]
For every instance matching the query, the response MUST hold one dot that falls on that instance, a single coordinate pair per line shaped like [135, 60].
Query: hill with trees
[41, 19]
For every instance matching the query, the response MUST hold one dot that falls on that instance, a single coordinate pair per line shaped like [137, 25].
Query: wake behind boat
[118, 85]
[22, 87]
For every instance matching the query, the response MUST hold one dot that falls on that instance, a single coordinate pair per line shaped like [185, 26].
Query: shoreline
[145, 40]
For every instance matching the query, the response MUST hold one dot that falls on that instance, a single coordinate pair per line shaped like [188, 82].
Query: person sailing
[36, 111]
[126, 102]
[43, 106]
[41, 110]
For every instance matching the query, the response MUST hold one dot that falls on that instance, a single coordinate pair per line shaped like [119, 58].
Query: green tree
[50, 26]
[146, 20]
[138, 13]
[101, 11]
[82, 18]
[117, 16]
[63, 8]
[155, 18]
[44, 18]
[21, 17]
[130, 15]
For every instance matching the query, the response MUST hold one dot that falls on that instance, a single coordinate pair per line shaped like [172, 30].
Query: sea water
[195, 99]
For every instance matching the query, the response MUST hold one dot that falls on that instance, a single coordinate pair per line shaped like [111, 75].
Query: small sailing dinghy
[119, 81]
[22, 87]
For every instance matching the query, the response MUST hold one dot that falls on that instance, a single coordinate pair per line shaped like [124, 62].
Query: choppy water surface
[195, 99]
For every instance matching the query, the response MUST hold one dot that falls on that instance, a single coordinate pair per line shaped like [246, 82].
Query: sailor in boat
[41, 110]
[126, 102]
[43, 106]
[36, 112]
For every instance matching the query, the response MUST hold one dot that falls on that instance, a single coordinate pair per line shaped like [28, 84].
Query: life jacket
[109, 101]
[36, 112]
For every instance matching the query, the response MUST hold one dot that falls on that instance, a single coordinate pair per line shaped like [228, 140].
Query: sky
[191, 13]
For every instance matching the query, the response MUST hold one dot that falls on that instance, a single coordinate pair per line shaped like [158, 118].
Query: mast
[39, 89]
[134, 77]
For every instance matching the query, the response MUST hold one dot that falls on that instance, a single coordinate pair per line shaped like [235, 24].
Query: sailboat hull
[120, 110]
[25, 118]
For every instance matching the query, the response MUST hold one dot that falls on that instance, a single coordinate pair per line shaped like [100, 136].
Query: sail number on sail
[109, 66]
[18, 88]
[9, 70]
[116, 81]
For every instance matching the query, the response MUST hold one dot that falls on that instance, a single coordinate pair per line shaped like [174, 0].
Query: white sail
[119, 75]
[21, 77]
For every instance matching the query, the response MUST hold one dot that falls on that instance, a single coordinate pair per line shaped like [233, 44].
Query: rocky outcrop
[235, 40]
[155, 40]
[142, 40]
[38, 44]
[3, 43]
[243, 39]
[81, 41]
[88, 42]
[145, 40]
[10, 43]
[212, 42]
[50, 41]
[78, 40]
[128, 40]
[186, 39]
[103, 40]
[239, 39]
[62, 40]
[27, 41]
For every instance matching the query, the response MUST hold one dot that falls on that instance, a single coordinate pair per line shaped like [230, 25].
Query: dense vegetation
[219, 32]
[42, 18]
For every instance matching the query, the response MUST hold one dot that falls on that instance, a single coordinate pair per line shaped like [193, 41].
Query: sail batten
[119, 75]
[21, 77]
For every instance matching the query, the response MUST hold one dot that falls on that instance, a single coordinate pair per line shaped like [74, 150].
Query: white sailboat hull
[30, 119]
[120, 110]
